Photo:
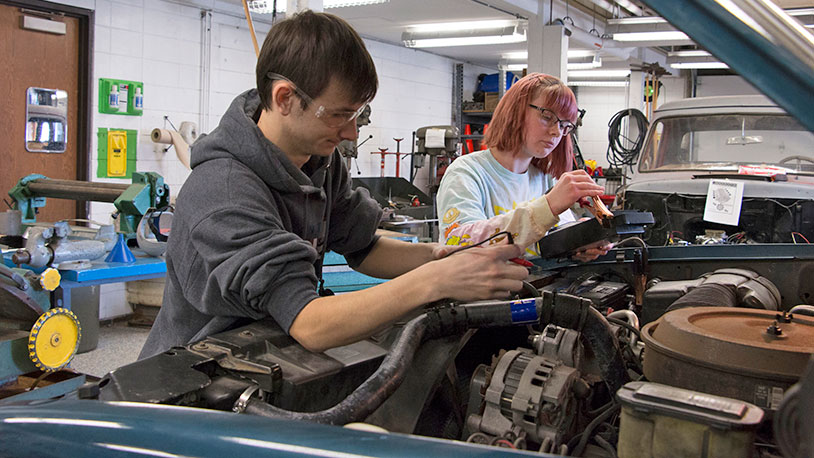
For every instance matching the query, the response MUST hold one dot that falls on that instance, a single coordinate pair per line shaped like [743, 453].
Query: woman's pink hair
[506, 131]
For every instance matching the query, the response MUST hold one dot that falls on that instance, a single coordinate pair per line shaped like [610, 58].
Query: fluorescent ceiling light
[637, 20]
[699, 65]
[459, 26]
[651, 36]
[693, 59]
[599, 73]
[584, 65]
[265, 6]
[463, 34]
[596, 63]
[689, 53]
[464, 41]
[598, 83]
[572, 54]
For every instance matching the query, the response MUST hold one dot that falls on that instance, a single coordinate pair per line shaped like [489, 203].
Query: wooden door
[38, 59]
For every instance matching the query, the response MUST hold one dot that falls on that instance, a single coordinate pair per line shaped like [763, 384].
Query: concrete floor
[119, 344]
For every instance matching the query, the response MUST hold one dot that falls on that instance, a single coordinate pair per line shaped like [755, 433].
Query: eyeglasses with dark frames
[331, 118]
[548, 119]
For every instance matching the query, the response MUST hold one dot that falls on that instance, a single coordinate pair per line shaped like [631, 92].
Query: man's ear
[282, 98]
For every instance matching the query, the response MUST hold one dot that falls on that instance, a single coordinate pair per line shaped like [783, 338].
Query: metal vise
[131, 200]
[50, 245]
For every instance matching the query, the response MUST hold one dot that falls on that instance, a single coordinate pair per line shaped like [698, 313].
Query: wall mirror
[46, 115]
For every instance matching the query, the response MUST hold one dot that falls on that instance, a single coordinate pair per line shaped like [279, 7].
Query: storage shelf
[484, 114]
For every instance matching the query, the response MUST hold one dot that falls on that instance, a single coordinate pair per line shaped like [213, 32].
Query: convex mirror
[46, 115]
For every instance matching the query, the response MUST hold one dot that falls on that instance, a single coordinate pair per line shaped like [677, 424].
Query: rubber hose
[803, 310]
[605, 347]
[370, 395]
[599, 334]
[707, 295]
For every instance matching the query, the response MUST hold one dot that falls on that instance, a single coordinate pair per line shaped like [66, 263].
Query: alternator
[527, 395]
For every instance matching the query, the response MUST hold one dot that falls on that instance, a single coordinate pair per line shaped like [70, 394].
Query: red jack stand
[383, 152]
[397, 153]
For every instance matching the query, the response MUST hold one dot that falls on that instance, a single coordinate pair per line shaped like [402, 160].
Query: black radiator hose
[570, 311]
[574, 312]
[370, 394]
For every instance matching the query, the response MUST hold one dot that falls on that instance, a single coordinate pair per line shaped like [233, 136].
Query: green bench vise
[147, 190]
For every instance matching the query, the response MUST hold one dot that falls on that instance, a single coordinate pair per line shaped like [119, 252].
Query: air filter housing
[747, 354]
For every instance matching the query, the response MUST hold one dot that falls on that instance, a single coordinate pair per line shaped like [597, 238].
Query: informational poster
[724, 198]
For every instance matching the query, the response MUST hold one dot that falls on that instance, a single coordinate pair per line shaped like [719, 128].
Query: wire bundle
[618, 155]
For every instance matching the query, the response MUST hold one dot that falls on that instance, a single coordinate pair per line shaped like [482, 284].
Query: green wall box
[117, 152]
[121, 97]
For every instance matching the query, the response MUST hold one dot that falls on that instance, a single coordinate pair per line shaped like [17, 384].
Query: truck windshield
[727, 142]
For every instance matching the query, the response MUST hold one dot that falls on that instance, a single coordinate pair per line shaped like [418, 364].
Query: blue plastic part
[524, 311]
[490, 82]
[120, 252]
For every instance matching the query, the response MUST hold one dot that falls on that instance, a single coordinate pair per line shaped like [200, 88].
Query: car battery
[603, 294]
[662, 421]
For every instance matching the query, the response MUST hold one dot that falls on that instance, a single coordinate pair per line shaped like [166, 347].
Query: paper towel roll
[170, 137]
[188, 131]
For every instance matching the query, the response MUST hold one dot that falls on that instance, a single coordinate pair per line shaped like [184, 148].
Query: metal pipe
[121, 186]
[77, 190]
[782, 29]
[631, 318]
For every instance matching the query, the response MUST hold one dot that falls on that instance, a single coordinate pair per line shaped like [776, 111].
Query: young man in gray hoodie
[269, 195]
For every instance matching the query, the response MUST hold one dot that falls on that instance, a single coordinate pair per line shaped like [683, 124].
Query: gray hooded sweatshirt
[249, 231]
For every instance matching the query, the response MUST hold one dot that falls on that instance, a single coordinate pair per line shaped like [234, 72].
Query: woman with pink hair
[523, 182]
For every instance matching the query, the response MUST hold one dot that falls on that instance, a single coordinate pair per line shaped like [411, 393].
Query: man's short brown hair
[309, 48]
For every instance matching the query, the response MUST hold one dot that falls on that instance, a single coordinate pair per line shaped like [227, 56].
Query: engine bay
[689, 349]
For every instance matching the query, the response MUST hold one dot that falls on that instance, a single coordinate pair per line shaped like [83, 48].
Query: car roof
[720, 104]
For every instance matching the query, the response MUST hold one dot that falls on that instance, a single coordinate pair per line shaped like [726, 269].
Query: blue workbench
[101, 272]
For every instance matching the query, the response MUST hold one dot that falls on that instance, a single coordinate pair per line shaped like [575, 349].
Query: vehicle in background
[740, 139]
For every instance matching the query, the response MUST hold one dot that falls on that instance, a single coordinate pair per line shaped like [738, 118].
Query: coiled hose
[619, 155]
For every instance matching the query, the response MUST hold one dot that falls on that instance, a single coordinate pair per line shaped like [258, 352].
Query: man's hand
[570, 187]
[592, 251]
[481, 273]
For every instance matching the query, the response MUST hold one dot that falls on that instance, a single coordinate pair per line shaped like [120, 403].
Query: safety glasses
[331, 118]
[548, 119]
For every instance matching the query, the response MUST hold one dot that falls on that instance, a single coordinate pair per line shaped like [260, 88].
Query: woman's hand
[592, 251]
[570, 187]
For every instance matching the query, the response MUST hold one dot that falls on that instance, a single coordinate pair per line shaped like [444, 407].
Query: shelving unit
[476, 119]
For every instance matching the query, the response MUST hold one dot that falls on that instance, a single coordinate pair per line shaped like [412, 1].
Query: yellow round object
[54, 339]
[49, 279]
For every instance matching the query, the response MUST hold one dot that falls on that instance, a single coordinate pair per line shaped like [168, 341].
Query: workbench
[101, 272]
